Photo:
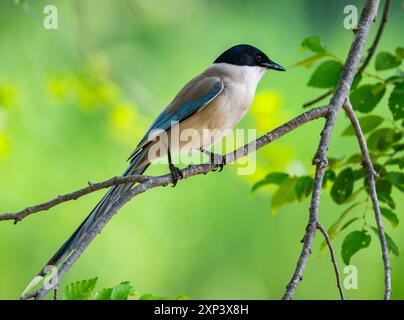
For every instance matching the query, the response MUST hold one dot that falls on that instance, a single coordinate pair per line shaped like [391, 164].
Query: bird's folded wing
[192, 98]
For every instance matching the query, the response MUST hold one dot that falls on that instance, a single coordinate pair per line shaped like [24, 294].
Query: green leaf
[381, 139]
[326, 75]
[343, 186]
[400, 53]
[385, 61]
[338, 225]
[396, 179]
[122, 291]
[285, 194]
[148, 296]
[368, 123]
[354, 242]
[313, 44]
[104, 294]
[308, 62]
[390, 243]
[80, 290]
[356, 80]
[355, 158]
[303, 187]
[387, 199]
[396, 101]
[365, 98]
[272, 178]
[390, 216]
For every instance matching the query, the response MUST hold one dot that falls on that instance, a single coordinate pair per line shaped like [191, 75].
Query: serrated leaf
[80, 290]
[396, 101]
[326, 75]
[285, 194]
[313, 44]
[276, 178]
[368, 123]
[386, 60]
[104, 294]
[390, 216]
[354, 242]
[303, 187]
[393, 248]
[396, 179]
[343, 186]
[122, 291]
[365, 98]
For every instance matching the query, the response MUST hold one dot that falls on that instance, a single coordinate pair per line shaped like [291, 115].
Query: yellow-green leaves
[354, 242]
[120, 292]
[365, 98]
[285, 194]
[326, 75]
[289, 188]
[313, 44]
[80, 290]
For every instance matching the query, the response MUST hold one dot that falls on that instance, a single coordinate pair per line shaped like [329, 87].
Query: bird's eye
[259, 58]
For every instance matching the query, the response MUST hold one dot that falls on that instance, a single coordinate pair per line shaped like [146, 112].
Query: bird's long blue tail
[103, 206]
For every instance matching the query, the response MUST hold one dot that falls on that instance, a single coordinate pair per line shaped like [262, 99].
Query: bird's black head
[246, 55]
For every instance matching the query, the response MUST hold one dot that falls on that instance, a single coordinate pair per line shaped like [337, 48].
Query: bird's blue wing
[190, 99]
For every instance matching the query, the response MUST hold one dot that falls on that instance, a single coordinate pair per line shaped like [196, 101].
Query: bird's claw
[218, 160]
[176, 174]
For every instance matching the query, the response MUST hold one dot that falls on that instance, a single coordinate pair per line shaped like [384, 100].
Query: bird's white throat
[249, 75]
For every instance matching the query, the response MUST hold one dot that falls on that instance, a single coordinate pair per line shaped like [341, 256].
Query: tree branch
[372, 49]
[18, 216]
[372, 175]
[333, 259]
[320, 158]
[371, 52]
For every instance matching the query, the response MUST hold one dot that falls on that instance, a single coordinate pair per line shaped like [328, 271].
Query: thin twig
[318, 99]
[333, 259]
[371, 52]
[18, 216]
[372, 175]
[320, 158]
[153, 182]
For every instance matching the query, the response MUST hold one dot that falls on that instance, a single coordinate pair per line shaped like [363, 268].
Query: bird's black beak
[272, 65]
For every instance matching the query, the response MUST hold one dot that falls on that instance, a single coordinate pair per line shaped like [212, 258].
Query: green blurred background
[75, 101]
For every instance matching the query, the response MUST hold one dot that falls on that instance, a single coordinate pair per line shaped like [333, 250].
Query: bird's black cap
[247, 55]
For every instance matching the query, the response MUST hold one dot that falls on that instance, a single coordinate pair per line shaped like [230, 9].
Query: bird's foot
[176, 174]
[217, 159]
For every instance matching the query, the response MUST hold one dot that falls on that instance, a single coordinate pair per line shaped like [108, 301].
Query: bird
[216, 99]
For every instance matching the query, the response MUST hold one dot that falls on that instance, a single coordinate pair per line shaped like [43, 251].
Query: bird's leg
[217, 159]
[175, 172]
